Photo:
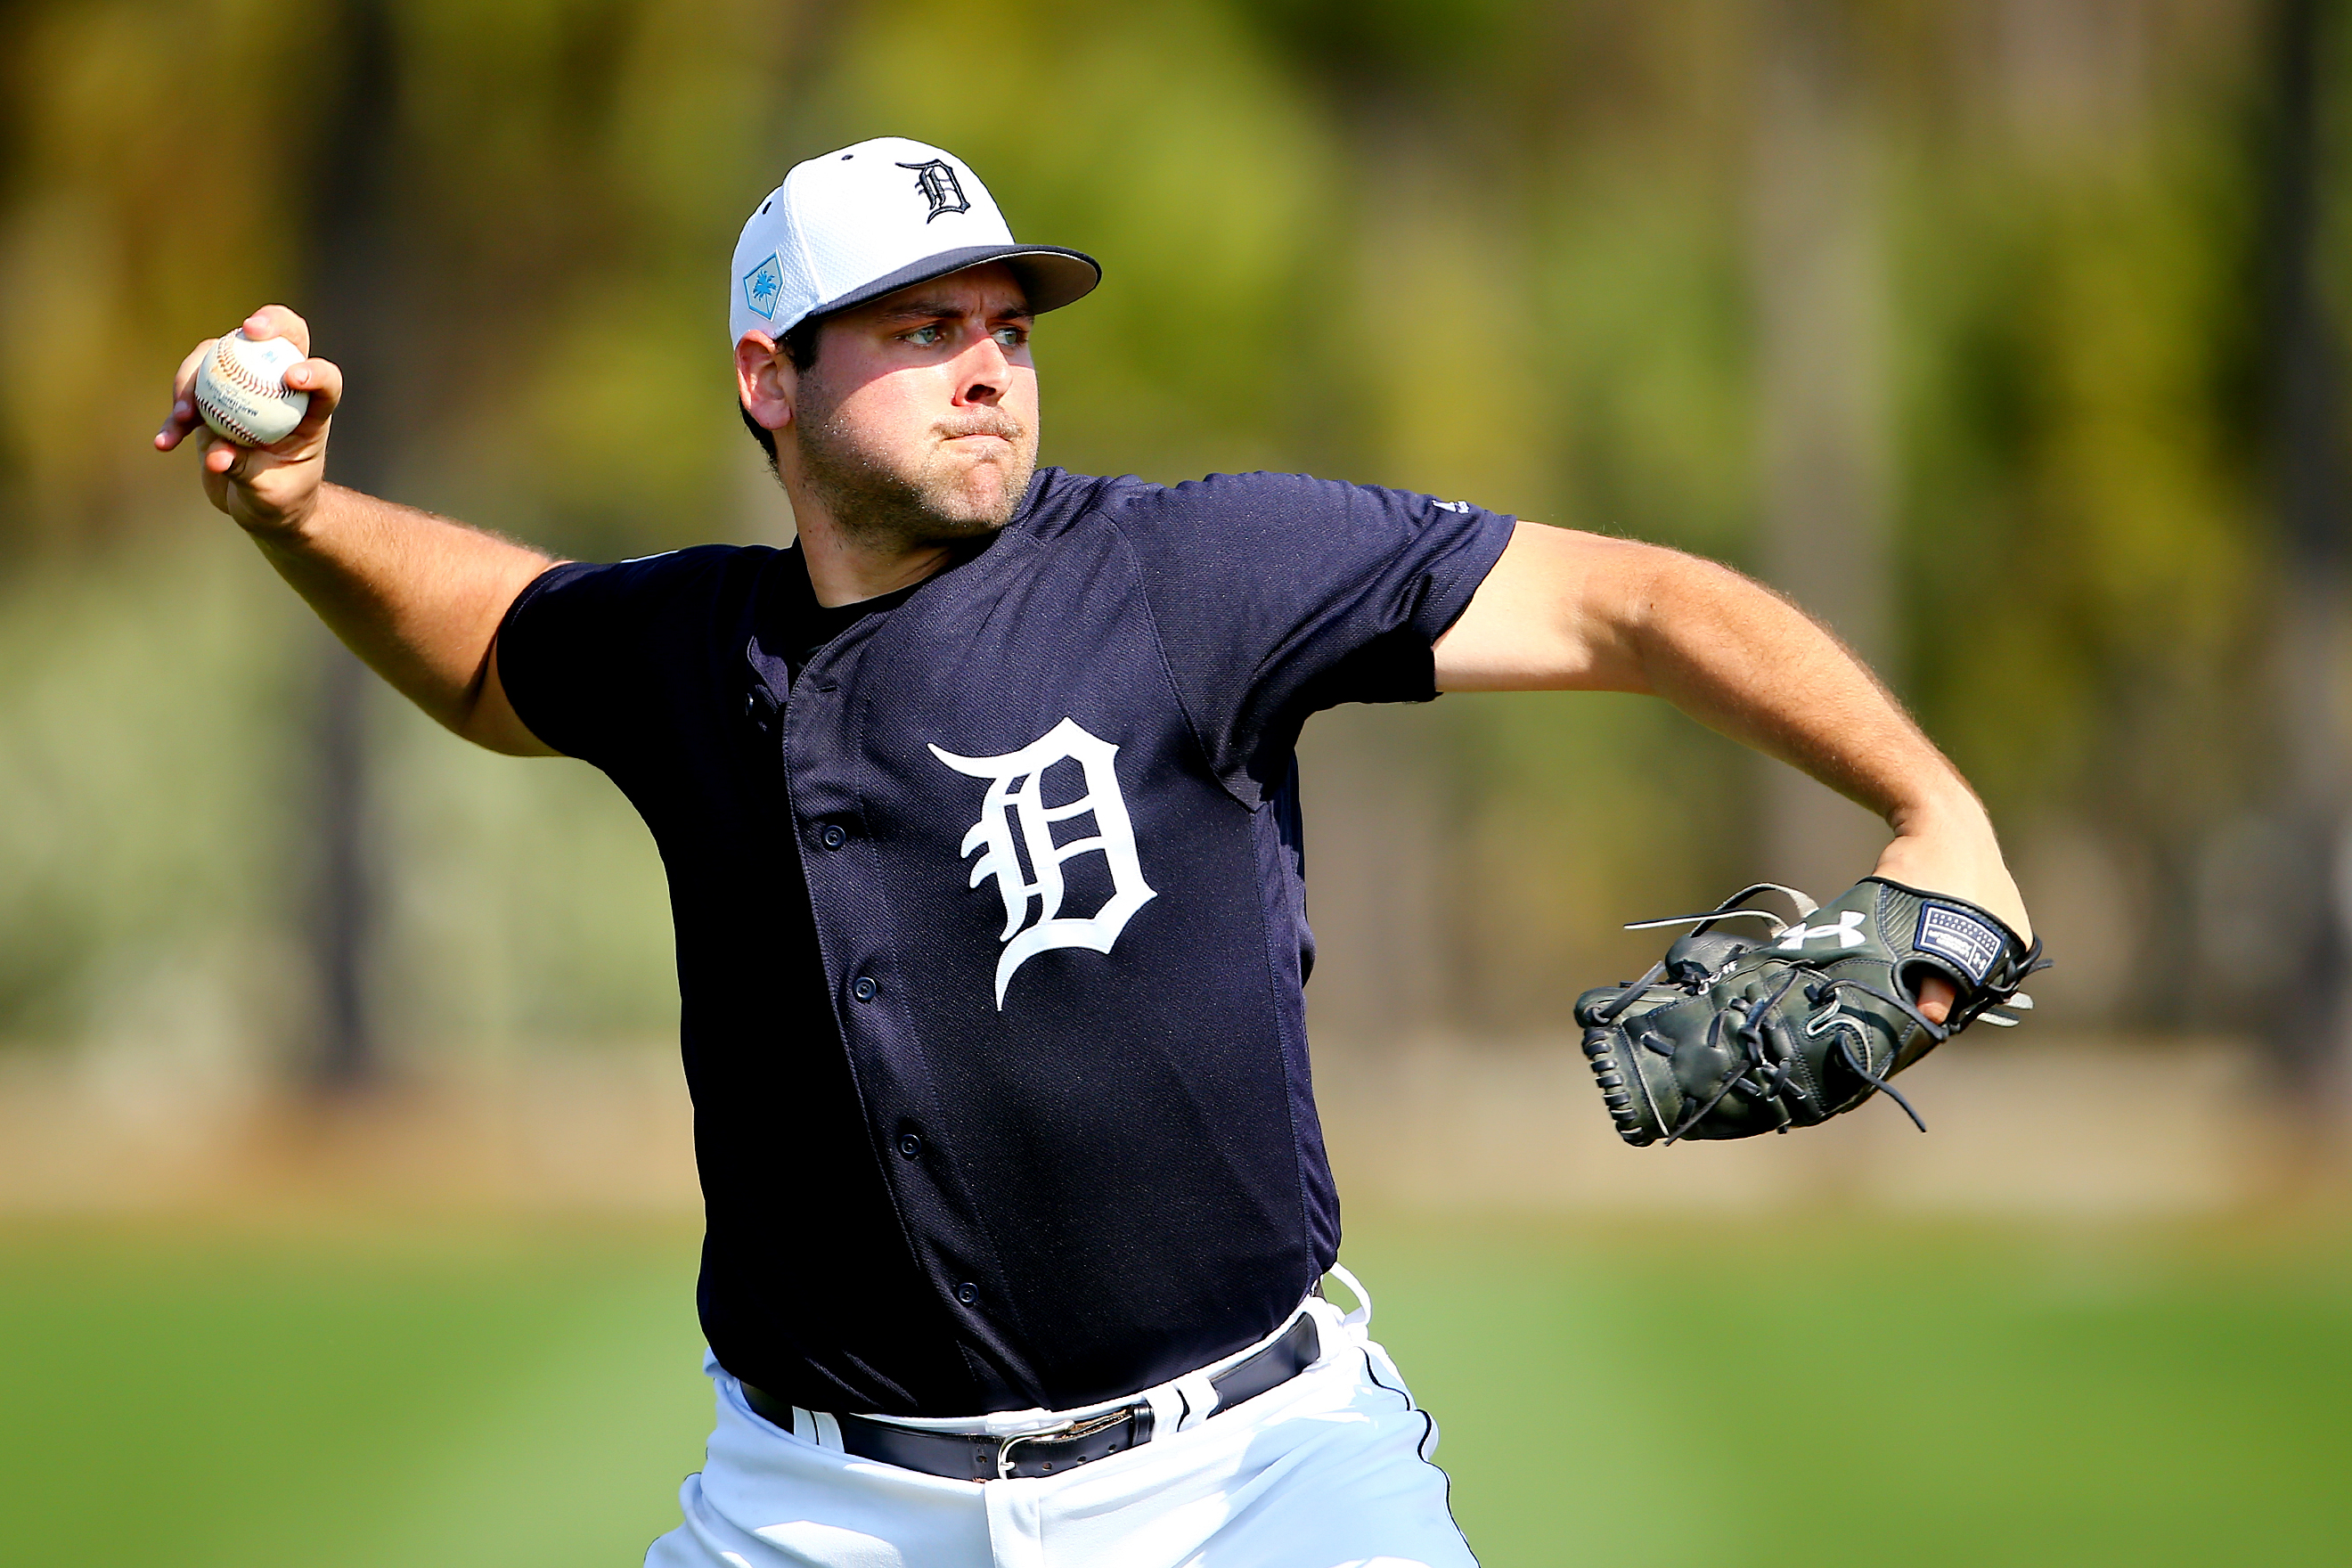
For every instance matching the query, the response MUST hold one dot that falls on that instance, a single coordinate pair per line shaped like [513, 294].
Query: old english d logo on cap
[937, 181]
[863, 221]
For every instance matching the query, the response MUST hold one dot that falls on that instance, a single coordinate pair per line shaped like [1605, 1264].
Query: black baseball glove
[1737, 1033]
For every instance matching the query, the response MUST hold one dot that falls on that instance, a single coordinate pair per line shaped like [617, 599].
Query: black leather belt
[976, 1458]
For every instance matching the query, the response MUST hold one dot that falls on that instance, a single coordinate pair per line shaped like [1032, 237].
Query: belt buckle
[1066, 1432]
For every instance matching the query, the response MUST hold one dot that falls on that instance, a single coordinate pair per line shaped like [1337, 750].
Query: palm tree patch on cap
[761, 285]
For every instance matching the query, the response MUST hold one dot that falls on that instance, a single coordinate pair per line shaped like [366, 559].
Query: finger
[323, 380]
[1936, 996]
[184, 380]
[222, 455]
[183, 416]
[277, 321]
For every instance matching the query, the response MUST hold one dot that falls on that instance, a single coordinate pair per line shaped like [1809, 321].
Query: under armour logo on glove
[1848, 932]
[1014, 820]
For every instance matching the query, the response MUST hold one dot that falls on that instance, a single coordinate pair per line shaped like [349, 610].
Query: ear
[765, 380]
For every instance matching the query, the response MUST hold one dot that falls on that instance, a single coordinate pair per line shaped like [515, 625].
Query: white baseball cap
[863, 221]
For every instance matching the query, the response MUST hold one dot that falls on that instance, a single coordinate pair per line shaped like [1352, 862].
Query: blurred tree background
[1972, 323]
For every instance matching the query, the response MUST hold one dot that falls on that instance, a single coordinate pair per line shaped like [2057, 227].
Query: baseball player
[981, 818]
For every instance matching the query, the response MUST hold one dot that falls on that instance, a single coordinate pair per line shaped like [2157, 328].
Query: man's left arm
[1564, 610]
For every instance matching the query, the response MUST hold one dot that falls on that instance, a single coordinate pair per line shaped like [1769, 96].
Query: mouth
[982, 450]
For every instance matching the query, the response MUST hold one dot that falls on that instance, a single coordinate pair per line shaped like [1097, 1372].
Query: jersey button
[865, 988]
[911, 1145]
[966, 1293]
[834, 837]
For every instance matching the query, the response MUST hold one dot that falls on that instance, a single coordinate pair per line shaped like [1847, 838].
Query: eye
[925, 337]
[1012, 337]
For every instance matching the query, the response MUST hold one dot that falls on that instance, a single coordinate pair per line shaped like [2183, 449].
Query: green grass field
[1722, 1395]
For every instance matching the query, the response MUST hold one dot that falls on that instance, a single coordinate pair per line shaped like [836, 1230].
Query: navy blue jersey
[991, 918]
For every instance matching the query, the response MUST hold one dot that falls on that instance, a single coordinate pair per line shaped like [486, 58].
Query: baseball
[241, 389]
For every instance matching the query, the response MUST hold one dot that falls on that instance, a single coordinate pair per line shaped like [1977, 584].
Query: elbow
[1666, 603]
[1654, 593]
[1669, 588]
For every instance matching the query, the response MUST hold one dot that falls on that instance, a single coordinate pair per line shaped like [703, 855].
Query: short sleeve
[584, 651]
[1278, 595]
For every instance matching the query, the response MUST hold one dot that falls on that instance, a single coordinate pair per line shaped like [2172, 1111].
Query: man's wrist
[1950, 811]
[288, 525]
[1949, 846]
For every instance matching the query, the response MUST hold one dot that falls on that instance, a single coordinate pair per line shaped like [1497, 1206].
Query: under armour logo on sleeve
[1015, 822]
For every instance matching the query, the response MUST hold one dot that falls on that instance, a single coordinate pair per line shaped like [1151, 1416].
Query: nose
[982, 371]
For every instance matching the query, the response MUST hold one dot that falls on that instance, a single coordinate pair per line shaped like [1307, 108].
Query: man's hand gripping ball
[265, 476]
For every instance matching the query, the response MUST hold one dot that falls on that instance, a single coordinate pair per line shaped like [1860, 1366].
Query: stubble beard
[881, 497]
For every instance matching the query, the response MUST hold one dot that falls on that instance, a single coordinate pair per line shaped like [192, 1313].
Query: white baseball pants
[1331, 1469]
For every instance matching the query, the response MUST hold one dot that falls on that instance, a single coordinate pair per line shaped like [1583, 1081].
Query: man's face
[919, 421]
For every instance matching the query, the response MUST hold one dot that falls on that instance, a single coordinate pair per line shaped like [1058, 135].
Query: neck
[848, 565]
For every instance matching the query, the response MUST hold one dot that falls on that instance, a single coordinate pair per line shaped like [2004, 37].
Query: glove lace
[1750, 1035]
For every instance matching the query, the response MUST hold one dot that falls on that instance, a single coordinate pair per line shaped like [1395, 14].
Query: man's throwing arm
[418, 598]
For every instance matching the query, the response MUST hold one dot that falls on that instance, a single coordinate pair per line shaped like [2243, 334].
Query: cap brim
[1050, 275]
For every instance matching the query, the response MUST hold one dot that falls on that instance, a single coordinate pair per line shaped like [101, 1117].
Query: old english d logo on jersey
[1016, 826]
[938, 183]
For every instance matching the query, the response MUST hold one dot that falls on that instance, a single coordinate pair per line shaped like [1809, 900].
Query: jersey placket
[822, 742]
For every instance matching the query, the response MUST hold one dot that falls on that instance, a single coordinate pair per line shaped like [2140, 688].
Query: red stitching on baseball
[237, 370]
[228, 374]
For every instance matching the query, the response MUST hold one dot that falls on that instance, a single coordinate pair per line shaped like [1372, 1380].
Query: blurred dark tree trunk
[2307, 1024]
[356, 248]
[1379, 788]
[1817, 282]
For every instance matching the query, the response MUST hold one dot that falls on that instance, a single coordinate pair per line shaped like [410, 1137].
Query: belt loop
[1200, 1400]
[817, 1427]
[1168, 1409]
[1361, 1317]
